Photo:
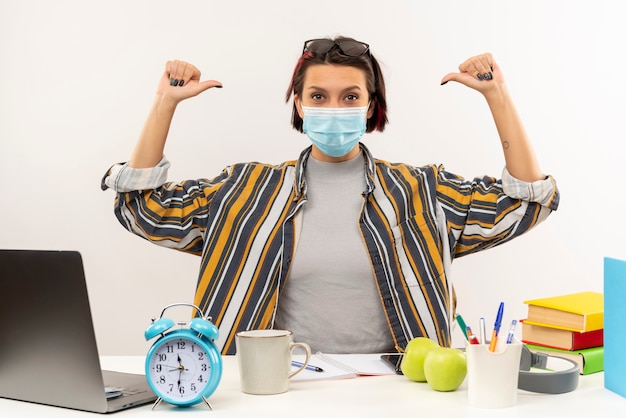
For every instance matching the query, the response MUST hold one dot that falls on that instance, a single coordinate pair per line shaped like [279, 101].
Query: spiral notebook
[342, 366]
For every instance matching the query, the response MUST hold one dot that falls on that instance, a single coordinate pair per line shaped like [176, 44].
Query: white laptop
[48, 351]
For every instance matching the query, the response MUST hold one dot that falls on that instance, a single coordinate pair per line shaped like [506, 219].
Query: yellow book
[582, 311]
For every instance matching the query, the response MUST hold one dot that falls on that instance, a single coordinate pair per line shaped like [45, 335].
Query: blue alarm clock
[184, 366]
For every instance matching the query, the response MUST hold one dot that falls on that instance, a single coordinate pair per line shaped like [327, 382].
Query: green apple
[445, 368]
[412, 364]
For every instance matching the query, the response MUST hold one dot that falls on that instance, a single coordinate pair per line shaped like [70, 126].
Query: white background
[77, 79]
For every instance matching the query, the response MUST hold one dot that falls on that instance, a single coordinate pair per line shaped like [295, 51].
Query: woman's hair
[335, 55]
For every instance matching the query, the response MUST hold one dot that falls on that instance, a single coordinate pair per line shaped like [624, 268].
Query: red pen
[471, 337]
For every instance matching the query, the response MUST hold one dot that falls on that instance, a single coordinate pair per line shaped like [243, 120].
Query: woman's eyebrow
[353, 87]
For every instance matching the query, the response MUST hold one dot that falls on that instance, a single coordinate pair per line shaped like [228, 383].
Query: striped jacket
[244, 224]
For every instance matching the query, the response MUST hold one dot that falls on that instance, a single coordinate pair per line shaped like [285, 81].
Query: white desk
[375, 396]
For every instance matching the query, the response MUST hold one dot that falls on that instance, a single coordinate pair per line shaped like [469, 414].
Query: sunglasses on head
[347, 47]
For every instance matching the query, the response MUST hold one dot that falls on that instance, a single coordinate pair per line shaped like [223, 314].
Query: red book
[565, 339]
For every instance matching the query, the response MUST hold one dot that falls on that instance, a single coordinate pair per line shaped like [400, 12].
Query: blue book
[615, 325]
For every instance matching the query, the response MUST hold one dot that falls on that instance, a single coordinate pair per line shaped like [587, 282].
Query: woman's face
[333, 86]
[329, 85]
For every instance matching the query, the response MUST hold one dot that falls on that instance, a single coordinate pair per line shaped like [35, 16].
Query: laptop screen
[48, 351]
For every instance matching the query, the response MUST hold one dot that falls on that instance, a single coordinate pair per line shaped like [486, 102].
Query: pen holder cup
[492, 377]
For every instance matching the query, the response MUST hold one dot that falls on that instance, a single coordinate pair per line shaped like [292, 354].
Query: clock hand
[180, 369]
[180, 372]
[174, 368]
[180, 365]
[170, 367]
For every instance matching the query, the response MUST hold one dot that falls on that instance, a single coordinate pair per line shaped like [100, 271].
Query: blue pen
[496, 328]
[308, 366]
[509, 337]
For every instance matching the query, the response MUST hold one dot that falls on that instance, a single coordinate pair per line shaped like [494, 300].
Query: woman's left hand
[480, 73]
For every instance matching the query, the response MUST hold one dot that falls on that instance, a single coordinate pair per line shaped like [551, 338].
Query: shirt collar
[300, 183]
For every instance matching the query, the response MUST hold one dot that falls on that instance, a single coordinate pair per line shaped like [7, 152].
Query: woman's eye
[317, 96]
[352, 97]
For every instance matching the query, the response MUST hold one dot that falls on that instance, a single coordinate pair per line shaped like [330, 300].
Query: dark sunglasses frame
[350, 48]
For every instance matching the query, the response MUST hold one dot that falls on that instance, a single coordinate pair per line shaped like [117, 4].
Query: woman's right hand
[181, 80]
[151, 143]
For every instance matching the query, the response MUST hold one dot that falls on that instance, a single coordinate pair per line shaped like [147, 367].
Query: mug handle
[307, 351]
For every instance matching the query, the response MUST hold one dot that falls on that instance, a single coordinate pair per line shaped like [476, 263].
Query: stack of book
[569, 326]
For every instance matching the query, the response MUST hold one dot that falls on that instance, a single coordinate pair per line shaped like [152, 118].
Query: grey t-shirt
[330, 298]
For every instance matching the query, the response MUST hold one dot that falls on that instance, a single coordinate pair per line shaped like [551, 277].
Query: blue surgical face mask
[335, 131]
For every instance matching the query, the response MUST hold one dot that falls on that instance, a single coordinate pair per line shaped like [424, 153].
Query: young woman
[347, 251]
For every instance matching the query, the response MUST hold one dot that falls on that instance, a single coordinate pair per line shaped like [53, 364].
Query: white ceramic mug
[264, 358]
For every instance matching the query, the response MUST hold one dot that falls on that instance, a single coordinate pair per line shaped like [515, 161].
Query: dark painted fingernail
[173, 82]
[443, 83]
[491, 68]
[479, 76]
[488, 76]
[181, 82]
[219, 87]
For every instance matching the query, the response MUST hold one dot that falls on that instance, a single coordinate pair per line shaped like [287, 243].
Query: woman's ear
[298, 104]
[371, 108]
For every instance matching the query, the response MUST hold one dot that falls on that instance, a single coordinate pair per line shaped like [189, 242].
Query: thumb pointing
[205, 85]
[449, 77]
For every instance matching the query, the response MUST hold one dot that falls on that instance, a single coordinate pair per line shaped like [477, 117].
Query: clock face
[179, 369]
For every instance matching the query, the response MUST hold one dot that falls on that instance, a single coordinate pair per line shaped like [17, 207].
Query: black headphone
[562, 378]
